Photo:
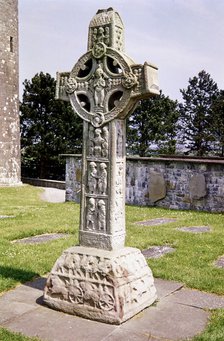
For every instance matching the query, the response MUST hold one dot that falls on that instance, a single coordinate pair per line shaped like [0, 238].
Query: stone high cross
[101, 279]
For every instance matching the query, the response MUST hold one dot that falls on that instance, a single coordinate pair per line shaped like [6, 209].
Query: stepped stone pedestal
[101, 279]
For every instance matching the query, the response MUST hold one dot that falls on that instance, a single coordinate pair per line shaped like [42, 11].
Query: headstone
[157, 187]
[101, 279]
[197, 187]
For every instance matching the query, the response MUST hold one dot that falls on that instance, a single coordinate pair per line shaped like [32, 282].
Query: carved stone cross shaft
[101, 279]
[103, 88]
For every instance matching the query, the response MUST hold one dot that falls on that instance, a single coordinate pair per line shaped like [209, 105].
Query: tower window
[11, 44]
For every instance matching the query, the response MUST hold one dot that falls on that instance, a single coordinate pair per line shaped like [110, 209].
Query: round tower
[10, 169]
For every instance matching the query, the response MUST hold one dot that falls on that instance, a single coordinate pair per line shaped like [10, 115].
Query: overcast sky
[182, 37]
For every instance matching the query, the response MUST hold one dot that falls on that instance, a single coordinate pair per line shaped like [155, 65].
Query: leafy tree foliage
[152, 127]
[217, 126]
[49, 127]
[196, 113]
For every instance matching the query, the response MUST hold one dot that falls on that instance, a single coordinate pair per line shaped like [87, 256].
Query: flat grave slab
[6, 216]
[42, 238]
[220, 262]
[157, 251]
[198, 299]
[172, 318]
[195, 229]
[156, 221]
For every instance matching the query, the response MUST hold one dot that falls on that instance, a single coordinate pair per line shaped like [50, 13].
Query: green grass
[6, 335]
[22, 262]
[191, 263]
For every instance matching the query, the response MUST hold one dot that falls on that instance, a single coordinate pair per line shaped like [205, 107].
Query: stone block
[157, 187]
[107, 286]
[197, 187]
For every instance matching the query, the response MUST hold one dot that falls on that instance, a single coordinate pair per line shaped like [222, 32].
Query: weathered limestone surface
[101, 279]
[108, 286]
[9, 111]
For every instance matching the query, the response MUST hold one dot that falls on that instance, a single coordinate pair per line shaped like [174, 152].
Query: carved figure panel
[92, 177]
[98, 144]
[102, 181]
[99, 85]
[101, 215]
[97, 178]
[106, 27]
[96, 214]
[91, 216]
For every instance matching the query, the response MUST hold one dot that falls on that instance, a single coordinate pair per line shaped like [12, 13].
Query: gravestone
[197, 187]
[101, 279]
[157, 186]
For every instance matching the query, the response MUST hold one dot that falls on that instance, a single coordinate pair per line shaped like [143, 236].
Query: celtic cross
[100, 278]
[103, 89]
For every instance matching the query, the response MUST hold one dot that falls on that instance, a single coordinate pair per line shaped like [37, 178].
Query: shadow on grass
[38, 283]
[16, 274]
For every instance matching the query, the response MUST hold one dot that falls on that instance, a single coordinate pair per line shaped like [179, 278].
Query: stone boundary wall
[170, 182]
[44, 183]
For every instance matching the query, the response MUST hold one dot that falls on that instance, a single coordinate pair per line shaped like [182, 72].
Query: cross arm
[61, 86]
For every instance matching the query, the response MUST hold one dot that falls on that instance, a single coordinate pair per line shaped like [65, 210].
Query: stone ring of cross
[100, 85]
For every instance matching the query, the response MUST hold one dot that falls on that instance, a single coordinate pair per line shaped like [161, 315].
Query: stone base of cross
[101, 279]
[106, 286]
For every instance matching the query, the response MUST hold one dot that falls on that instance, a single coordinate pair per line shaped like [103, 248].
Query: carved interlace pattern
[129, 80]
[71, 85]
[99, 50]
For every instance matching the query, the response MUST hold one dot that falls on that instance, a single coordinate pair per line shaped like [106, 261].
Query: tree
[218, 123]
[49, 127]
[152, 126]
[196, 113]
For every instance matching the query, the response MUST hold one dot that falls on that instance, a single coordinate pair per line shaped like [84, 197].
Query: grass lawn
[191, 263]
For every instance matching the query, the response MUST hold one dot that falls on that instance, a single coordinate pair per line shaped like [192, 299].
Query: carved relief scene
[87, 284]
[96, 212]
[97, 178]
[98, 142]
[88, 281]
